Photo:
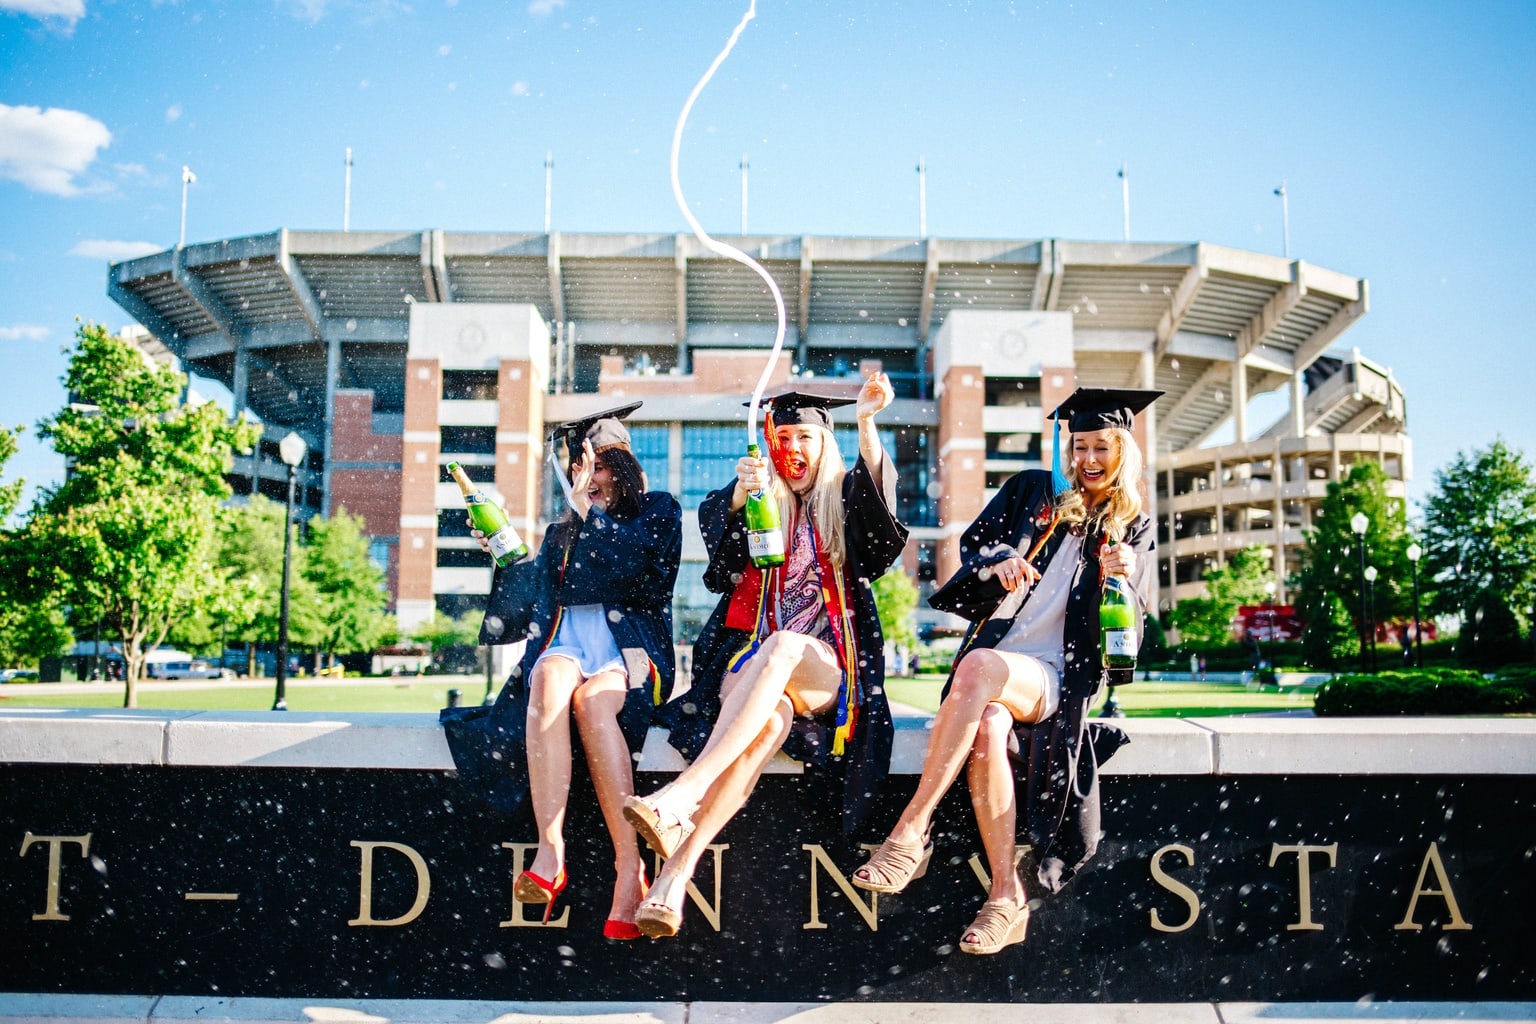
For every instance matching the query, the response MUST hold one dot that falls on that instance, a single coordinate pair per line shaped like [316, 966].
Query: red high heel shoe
[530, 888]
[626, 931]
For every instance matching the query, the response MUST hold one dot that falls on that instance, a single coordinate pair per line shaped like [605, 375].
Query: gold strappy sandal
[656, 920]
[892, 867]
[1000, 923]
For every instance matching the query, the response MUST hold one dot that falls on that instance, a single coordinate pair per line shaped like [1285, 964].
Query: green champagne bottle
[765, 539]
[1117, 628]
[490, 519]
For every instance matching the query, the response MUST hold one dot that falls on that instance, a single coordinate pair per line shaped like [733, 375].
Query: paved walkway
[35, 1009]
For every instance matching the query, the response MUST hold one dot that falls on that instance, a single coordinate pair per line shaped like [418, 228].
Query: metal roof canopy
[1195, 308]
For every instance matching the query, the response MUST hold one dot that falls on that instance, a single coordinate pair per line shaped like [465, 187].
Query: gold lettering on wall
[710, 911]
[55, 859]
[978, 868]
[870, 913]
[1432, 861]
[365, 916]
[520, 918]
[1178, 888]
[1303, 854]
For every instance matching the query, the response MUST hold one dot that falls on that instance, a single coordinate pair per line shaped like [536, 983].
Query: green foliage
[1444, 691]
[1491, 635]
[441, 632]
[896, 601]
[1330, 641]
[1243, 580]
[10, 493]
[32, 625]
[131, 531]
[1154, 643]
[1480, 532]
[348, 587]
[1331, 564]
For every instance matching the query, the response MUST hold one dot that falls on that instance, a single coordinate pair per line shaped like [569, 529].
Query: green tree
[441, 632]
[32, 623]
[1331, 563]
[348, 587]
[131, 529]
[1480, 532]
[1244, 580]
[896, 601]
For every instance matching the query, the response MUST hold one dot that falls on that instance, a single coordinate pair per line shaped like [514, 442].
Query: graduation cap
[1095, 409]
[790, 406]
[603, 429]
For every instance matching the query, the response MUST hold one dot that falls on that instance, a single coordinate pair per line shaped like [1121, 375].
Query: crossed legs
[790, 675]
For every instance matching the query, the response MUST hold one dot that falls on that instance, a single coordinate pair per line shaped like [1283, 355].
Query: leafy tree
[1480, 532]
[441, 632]
[32, 624]
[1243, 580]
[348, 587]
[1490, 637]
[1331, 640]
[1331, 564]
[131, 529]
[896, 601]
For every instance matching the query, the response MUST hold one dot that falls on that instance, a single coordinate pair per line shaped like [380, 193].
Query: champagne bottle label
[1119, 643]
[765, 544]
[506, 545]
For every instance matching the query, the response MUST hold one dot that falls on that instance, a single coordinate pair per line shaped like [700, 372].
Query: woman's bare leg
[990, 777]
[983, 676]
[598, 702]
[549, 758]
[788, 665]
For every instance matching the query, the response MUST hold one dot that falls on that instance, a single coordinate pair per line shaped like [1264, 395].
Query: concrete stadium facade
[394, 352]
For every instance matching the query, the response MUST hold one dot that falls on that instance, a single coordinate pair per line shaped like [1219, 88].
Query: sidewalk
[35, 1009]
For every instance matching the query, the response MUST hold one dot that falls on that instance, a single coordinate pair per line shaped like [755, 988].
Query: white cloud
[173, 113]
[70, 11]
[23, 332]
[543, 7]
[519, 88]
[46, 149]
[111, 251]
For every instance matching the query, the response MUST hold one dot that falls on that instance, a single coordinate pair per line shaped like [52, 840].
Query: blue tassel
[1059, 482]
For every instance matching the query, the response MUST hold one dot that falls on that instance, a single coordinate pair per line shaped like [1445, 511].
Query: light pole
[1414, 552]
[1285, 220]
[291, 449]
[1269, 616]
[1370, 603]
[1359, 523]
[187, 178]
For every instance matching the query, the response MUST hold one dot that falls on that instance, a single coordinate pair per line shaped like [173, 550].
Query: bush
[1433, 691]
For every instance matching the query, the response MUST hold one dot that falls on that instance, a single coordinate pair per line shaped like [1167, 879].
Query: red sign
[1268, 623]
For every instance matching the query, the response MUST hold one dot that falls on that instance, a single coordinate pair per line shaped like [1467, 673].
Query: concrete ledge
[1260, 745]
[1371, 746]
[28, 1008]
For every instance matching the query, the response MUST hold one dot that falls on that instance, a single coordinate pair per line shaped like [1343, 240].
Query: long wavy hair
[1112, 516]
[824, 500]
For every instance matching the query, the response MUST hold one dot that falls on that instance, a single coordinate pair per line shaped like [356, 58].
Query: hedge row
[1429, 691]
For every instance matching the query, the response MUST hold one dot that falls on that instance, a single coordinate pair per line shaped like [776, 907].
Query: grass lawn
[429, 693]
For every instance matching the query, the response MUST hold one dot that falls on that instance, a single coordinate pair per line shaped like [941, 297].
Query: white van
[171, 664]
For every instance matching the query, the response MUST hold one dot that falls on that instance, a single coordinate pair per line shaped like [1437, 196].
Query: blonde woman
[793, 655]
[1017, 700]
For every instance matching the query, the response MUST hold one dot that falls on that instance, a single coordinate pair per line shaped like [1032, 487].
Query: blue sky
[1402, 130]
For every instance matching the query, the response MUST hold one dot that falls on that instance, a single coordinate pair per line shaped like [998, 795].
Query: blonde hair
[1124, 504]
[824, 500]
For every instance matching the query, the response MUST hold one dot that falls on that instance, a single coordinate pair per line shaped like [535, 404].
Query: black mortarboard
[603, 429]
[801, 405]
[1098, 408]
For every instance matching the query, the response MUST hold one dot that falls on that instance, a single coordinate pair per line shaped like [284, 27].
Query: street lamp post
[1269, 634]
[291, 449]
[1414, 552]
[1370, 603]
[1359, 523]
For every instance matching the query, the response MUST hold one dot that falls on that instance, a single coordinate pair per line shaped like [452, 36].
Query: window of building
[710, 452]
[1009, 392]
[469, 440]
[462, 558]
[480, 474]
[452, 522]
[378, 552]
[469, 385]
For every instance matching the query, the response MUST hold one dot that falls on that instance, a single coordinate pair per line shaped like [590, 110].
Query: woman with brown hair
[1016, 704]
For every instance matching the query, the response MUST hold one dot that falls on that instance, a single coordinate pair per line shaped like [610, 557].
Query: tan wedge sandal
[1001, 923]
[894, 866]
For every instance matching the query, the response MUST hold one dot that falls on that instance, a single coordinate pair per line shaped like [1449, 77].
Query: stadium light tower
[1285, 220]
[1125, 198]
[187, 178]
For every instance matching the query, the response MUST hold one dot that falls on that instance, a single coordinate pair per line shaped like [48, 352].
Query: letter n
[870, 913]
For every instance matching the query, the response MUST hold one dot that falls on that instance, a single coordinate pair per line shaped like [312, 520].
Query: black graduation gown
[874, 541]
[630, 568]
[1057, 769]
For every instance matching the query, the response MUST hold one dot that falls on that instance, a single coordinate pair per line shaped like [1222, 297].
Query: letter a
[1432, 860]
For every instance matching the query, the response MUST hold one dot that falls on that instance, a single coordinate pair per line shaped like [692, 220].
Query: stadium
[392, 353]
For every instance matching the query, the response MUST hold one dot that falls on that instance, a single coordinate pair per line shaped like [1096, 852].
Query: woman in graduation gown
[1016, 704]
[792, 656]
[596, 607]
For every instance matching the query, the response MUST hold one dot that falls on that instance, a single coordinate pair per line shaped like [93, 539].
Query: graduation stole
[752, 612]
